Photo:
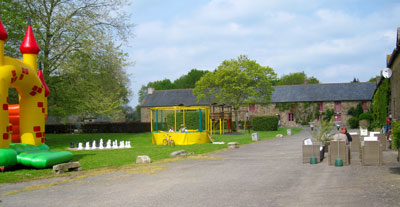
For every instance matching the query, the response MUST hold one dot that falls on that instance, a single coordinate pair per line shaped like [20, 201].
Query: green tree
[157, 85]
[380, 103]
[236, 82]
[83, 66]
[296, 78]
[91, 85]
[189, 80]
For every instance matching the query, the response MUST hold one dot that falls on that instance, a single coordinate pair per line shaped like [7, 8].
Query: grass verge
[141, 143]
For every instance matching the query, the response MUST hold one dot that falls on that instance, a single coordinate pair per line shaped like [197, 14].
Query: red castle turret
[3, 32]
[29, 45]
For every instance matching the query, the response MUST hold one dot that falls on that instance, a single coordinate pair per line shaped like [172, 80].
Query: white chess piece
[87, 146]
[101, 144]
[80, 146]
[108, 144]
[121, 144]
[115, 144]
[94, 145]
[128, 144]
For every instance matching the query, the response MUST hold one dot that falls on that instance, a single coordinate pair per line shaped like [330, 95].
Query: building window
[338, 106]
[291, 116]
[321, 106]
[252, 107]
[364, 105]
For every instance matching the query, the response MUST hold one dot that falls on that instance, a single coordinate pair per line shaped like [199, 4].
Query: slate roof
[175, 97]
[324, 92]
[281, 94]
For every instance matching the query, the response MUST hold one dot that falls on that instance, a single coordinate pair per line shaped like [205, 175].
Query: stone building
[393, 62]
[294, 104]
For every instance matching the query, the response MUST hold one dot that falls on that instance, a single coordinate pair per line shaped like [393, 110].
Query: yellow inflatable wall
[33, 92]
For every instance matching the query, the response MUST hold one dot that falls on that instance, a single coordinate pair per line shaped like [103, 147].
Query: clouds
[333, 41]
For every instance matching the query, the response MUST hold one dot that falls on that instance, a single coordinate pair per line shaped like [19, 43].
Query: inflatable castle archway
[24, 123]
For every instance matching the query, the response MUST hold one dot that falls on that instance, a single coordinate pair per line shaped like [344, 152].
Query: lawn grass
[141, 143]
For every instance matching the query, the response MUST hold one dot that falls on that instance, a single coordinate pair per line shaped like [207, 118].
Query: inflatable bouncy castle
[22, 126]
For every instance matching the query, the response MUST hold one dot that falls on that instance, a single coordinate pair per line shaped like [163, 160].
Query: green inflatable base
[32, 156]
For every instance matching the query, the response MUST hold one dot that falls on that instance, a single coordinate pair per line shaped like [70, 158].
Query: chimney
[388, 59]
[150, 91]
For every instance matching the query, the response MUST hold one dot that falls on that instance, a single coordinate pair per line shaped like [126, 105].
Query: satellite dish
[387, 73]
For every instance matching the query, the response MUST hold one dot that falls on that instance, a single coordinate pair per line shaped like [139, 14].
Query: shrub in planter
[265, 123]
[353, 122]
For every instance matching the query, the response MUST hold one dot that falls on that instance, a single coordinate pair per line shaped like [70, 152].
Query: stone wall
[395, 89]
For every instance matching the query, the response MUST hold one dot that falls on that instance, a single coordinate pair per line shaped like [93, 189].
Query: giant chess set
[100, 145]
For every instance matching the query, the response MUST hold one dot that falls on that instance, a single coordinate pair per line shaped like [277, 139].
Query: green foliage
[324, 132]
[296, 78]
[13, 17]
[84, 66]
[380, 102]
[189, 80]
[366, 116]
[286, 106]
[396, 134]
[236, 82]
[91, 85]
[185, 81]
[353, 122]
[356, 111]
[265, 123]
[304, 112]
[328, 114]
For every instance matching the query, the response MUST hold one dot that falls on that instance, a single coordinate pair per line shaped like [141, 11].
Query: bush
[356, 111]
[353, 122]
[304, 123]
[396, 134]
[366, 116]
[116, 127]
[265, 123]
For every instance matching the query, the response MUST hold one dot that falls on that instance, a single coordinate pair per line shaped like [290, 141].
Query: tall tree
[237, 82]
[296, 78]
[157, 85]
[84, 66]
[189, 80]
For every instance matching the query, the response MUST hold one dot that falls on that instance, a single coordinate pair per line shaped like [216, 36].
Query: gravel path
[267, 173]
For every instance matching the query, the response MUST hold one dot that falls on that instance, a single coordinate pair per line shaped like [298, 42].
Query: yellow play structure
[180, 125]
[22, 126]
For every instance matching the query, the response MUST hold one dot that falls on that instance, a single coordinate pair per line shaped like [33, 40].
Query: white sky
[333, 41]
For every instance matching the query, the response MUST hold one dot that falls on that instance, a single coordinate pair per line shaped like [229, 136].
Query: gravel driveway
[267, 173]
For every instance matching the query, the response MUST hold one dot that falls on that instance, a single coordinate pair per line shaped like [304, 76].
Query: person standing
[388, 123]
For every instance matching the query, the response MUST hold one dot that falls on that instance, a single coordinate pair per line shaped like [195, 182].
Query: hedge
[353, 122]
[60, 128]
[366, 116]
[265, 123]
[116, 127]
